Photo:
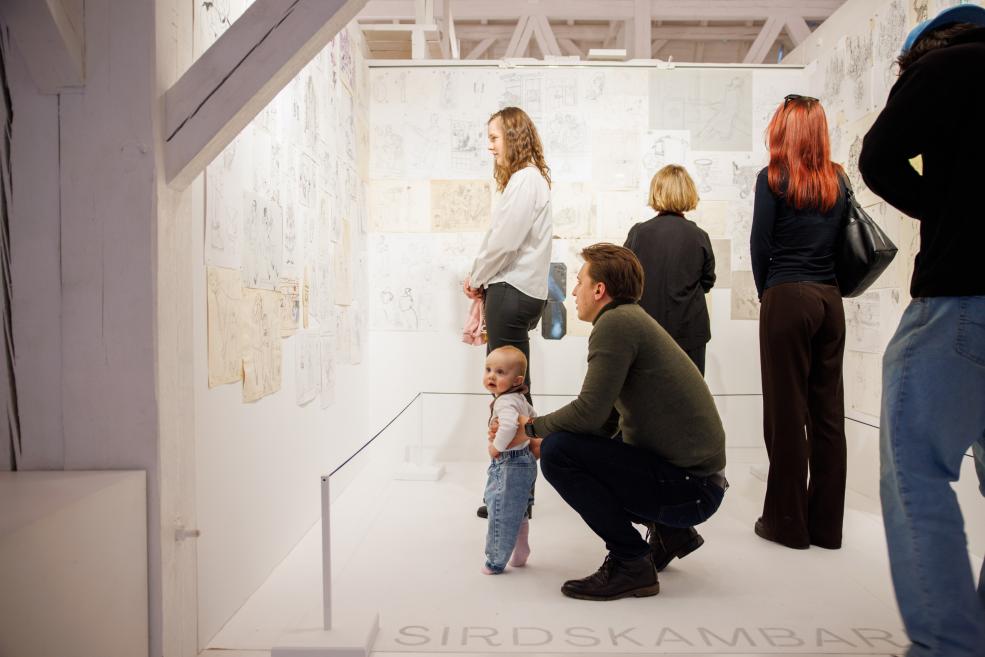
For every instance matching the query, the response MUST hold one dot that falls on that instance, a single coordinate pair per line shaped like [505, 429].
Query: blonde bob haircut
[672, 190]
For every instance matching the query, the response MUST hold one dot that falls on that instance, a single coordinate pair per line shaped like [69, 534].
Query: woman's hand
[471, 292]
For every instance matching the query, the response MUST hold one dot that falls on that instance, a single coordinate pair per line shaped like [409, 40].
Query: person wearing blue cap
[933, 399]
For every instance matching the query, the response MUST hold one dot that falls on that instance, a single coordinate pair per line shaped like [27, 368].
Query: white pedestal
[413, 472]
[353, 635]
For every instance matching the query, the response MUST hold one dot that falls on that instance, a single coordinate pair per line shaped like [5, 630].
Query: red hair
[800, 156]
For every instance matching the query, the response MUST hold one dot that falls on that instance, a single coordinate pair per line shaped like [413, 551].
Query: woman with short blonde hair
[678, 263]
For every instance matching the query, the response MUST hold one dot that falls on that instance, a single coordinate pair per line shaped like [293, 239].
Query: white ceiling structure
[712, 31]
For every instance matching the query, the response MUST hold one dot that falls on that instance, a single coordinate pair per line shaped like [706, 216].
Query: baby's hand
[493, 428]
[493, 452]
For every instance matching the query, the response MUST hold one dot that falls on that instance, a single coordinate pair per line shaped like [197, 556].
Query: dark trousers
[510, 316]
[697, 356]
[801, 345]
[610, 484]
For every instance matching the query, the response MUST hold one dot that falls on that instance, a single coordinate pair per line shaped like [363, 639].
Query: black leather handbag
[863, 251]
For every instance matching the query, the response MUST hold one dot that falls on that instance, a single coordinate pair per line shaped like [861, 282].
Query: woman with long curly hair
[798, 213]
[513, 262]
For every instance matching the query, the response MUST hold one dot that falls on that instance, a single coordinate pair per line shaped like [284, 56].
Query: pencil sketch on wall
[262, 354]
[460, 205]
[224, 307]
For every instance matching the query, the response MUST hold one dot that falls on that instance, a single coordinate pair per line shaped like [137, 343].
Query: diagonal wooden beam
[656, 46]
[545, 36]
[51, 40]
[797, 29]
[767, 37]
[243, 70]
[520, 40]
[480, 49]
[569, 47]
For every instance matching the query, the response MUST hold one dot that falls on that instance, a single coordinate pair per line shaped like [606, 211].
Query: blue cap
[960, 14]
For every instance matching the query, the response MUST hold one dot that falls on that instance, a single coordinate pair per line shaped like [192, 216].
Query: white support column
[642, 18]
[52, 42]
[243, 70]
[767, 37]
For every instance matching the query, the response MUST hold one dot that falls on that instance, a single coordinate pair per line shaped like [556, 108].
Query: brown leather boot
[669, 542]
[616, 579]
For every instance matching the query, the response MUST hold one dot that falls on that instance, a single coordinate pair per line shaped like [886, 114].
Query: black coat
[678, 269]
[935, 109]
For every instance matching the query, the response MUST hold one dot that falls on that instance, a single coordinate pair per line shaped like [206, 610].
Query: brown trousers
[801, 346]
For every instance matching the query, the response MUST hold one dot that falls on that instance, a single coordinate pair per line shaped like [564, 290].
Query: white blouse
[517, 246]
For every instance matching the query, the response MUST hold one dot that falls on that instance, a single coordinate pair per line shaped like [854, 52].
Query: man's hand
[493, 452]
[535, 447]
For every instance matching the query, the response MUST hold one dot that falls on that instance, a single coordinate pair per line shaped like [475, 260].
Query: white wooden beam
[767, 37]
[545, 37]
[449, 32]
[797, 29]
[520, 39]
[480, 49]
[51, 41]
[475, 32]
[569, 47]
[240, 74]
[640, 48]
[672, 10]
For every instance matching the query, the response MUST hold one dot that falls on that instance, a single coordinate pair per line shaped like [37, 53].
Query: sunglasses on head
[789, 97]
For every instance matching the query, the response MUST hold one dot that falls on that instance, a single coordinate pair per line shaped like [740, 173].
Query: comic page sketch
[524, 90]
[290, 307]
[326, 348]
[573, 209]
[858, 63]
[863, 382]
[262, 353]
[618, 212]
[716, 106]
[386, 159]
[212, 18]
[397, 206]
[744, 177]
[723, 263]
[566, 136]
[745, 299]
[871, 319]
[615, 159]
[343, 267]
[460, 205]
[225, 308]
[307, 368]
[712, 217]
[662, 147]
[347, 70]
[357, 331]
[262, 233]
[307, 180]
[223, 217]
[292, 253]
[768, 90]
[740, 229]
[469, 157]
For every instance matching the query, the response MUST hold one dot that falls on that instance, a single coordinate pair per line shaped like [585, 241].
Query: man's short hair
[618, 268]
[516, 357]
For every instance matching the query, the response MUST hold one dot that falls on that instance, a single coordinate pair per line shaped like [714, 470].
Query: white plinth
[414, 472]
[353, 635]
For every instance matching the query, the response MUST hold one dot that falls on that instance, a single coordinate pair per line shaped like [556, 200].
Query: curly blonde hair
[523, 146]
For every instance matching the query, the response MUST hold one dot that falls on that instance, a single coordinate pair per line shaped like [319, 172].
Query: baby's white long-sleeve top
[508, 408]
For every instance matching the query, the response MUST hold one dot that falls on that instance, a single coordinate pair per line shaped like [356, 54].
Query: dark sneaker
[616, 579]
[669, 542]
[483, 511]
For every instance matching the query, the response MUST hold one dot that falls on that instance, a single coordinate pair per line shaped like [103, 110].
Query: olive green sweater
[637, 370]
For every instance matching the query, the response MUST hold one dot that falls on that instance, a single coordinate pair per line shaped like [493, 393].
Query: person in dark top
[933, 388]
[798, 211]
[678, 263]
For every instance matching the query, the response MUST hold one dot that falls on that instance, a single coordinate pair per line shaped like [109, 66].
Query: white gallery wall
[606, 130]
[280, 382]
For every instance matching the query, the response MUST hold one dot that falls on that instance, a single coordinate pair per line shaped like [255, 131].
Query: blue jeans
[933, 409]
[511, 477]
[612, 484]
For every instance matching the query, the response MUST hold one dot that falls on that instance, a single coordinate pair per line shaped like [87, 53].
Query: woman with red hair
[800, 202]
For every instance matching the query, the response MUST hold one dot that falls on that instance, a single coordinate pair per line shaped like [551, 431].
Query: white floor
[412, 552]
